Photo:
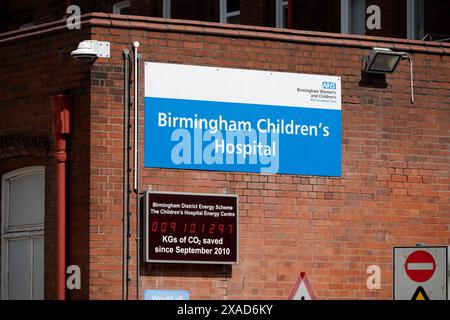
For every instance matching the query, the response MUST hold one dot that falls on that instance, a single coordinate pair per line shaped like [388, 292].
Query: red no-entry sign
[420, 273]
[420, 266]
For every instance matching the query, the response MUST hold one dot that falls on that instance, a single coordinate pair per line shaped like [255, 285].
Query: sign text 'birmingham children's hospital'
[225, 119]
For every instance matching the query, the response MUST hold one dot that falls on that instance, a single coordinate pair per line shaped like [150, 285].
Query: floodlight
[382, 60]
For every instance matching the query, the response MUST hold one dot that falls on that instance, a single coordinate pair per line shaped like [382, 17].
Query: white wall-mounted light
[384, 60]
[90, 50]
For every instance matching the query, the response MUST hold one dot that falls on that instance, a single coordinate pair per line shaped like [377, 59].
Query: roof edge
[228, 30]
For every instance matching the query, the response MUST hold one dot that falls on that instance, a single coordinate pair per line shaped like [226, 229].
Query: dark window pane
[125, 10]
[436, 20]
[285, 16]
[200, 10]
[233, 5]
[393, 18]
[324, 15]
[234, 19]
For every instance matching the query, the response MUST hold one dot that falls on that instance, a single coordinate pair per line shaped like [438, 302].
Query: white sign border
[244, 86]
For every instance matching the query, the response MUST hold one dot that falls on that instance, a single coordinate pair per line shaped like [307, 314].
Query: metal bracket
[101, 47]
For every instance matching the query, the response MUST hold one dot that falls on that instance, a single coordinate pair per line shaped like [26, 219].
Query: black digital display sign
[191, 228]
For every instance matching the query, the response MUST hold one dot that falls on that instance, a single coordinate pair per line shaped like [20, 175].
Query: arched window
[22, 233]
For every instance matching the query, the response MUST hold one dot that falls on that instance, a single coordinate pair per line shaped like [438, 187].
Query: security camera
[89, 50]
[84, 52]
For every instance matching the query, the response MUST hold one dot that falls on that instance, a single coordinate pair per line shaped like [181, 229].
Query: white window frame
[224, 14]
[415, 19]
[31, 232]
[117, 7]
[279, 17]
[167, 9]
[353, 16]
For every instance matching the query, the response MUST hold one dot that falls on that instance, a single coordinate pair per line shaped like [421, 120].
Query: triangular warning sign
[420, 294]
[302, 289]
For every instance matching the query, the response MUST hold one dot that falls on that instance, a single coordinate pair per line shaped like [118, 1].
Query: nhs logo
[329, 85]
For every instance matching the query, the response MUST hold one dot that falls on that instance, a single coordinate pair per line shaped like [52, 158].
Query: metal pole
[126, 172]
[136, 115]
[136, 162]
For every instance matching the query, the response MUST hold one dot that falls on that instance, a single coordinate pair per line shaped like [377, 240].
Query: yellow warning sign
[420, 294]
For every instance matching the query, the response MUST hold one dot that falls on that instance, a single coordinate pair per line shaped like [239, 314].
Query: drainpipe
[61, 130]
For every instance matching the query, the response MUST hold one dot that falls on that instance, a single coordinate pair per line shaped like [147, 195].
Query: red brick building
[393, 191]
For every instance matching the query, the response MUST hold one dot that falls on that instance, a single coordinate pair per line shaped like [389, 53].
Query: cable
[408, 57]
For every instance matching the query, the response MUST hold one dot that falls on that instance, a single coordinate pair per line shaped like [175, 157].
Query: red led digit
[212, 228]
[192, 228]
[203, 228]
[154, 226]
[173, 226]
[185, 228]
[230, 226]
[164, 227]
[221, 227]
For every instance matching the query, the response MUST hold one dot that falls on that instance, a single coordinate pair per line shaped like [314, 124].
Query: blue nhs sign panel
[223, 119]
[328, 85]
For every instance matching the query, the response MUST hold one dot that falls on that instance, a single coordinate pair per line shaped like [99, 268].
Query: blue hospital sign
[223, 119]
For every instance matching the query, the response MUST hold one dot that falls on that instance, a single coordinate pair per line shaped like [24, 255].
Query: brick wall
[393, 191]
[258, 12]
[146, 8]
[32, 70]
[395, 160]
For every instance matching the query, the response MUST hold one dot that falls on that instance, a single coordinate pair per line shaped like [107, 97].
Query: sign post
[420, 273]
